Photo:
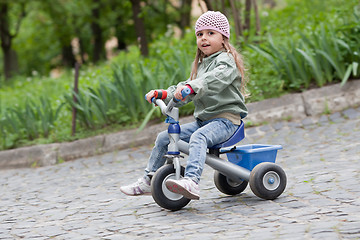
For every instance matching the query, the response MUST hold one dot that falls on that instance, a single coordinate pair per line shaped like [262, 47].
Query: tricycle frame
[267, 180]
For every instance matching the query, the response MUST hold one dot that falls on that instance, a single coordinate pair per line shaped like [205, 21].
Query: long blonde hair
[238, 61]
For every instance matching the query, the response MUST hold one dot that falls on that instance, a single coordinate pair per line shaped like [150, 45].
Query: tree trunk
[6, 48]
[185, 15]
[139, 27]
[223, 7]
[247, 14]
[68, 58]
[209, 5]
[82, 50]
[98, 51]
[215, 5]
[237, 19]
[121, 41]
[10, 60]
[120, 33]
[257, 18]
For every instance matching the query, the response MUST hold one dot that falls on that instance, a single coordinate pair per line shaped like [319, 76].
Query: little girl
[217, 89]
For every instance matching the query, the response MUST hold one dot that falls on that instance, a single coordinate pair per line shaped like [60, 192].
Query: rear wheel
[162, 196]
[228, 186]
[267, 180]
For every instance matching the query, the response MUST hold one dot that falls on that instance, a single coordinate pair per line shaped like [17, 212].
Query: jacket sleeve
[215, 80]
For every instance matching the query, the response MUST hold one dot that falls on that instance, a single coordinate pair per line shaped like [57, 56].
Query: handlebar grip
[158, 94]
[152, 100]
[185, 92]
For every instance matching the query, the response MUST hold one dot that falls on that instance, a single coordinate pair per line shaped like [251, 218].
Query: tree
[115, 16]
[140, 27]
[10, 59]
[98, 50]
[247, 14]
[248, 5]
[257, 18]
[63, 28]
[185, 14]
[209, 5]
[61, 32]
[237, 19]
[234, 6]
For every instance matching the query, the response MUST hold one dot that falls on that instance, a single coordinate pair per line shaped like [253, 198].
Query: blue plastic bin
[248, 156]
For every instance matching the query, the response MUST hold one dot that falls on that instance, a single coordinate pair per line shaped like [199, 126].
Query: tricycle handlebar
[168, 110]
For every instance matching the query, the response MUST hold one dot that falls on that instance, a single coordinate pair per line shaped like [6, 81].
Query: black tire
[267, 180]
[162, 196]
[227, 186]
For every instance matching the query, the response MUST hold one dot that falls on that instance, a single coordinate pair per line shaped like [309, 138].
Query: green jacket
[217, 88]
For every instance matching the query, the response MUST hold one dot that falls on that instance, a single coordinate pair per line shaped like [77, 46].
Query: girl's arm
[216, 80]
[171, 91]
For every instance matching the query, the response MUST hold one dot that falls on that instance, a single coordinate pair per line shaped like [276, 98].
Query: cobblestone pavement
[81, 199]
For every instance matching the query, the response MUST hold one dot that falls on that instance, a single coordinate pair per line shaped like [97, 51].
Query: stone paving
[81, 199]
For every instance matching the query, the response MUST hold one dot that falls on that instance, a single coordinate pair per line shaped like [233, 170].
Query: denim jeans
[200, 135]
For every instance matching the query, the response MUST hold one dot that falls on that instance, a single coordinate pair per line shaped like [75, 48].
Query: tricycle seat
[235, 138]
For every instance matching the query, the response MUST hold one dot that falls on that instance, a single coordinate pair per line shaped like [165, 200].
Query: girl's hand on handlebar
[178, 94]
[150, 95]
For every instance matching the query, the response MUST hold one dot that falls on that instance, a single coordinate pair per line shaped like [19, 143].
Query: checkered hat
[213, 21]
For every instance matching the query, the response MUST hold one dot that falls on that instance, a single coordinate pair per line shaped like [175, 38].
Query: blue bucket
[248, 156]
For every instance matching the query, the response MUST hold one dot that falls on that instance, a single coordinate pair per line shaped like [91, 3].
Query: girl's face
[209, 41]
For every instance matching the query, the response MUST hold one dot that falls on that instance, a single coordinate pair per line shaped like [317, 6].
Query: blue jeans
[200, 135]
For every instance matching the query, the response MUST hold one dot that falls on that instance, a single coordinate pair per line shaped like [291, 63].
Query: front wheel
[227, 186]
[162, 196]
[267, 180]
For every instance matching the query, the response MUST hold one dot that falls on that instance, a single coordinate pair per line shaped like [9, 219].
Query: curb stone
[333, 98]
[299, 106]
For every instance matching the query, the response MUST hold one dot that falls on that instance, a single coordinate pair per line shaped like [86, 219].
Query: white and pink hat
[213, 21]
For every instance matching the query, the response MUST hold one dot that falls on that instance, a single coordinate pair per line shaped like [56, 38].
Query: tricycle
[253, 164]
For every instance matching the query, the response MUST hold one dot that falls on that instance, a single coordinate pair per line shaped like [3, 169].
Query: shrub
[319, 57]
[30, 122]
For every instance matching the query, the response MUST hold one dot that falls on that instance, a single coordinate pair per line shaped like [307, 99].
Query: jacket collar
[209, 59]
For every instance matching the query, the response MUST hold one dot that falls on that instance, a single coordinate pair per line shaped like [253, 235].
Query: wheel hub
[170, 195]
[271, 180]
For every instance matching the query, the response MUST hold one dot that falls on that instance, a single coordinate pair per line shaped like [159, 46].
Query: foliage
[51, 27]
[350, 32]
[301, 45]
[264, 81]
[30, 122]
[320, 56]
[120, 98]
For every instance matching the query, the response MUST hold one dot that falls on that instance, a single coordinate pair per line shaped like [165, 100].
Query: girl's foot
[185, 186]
[141, 187]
